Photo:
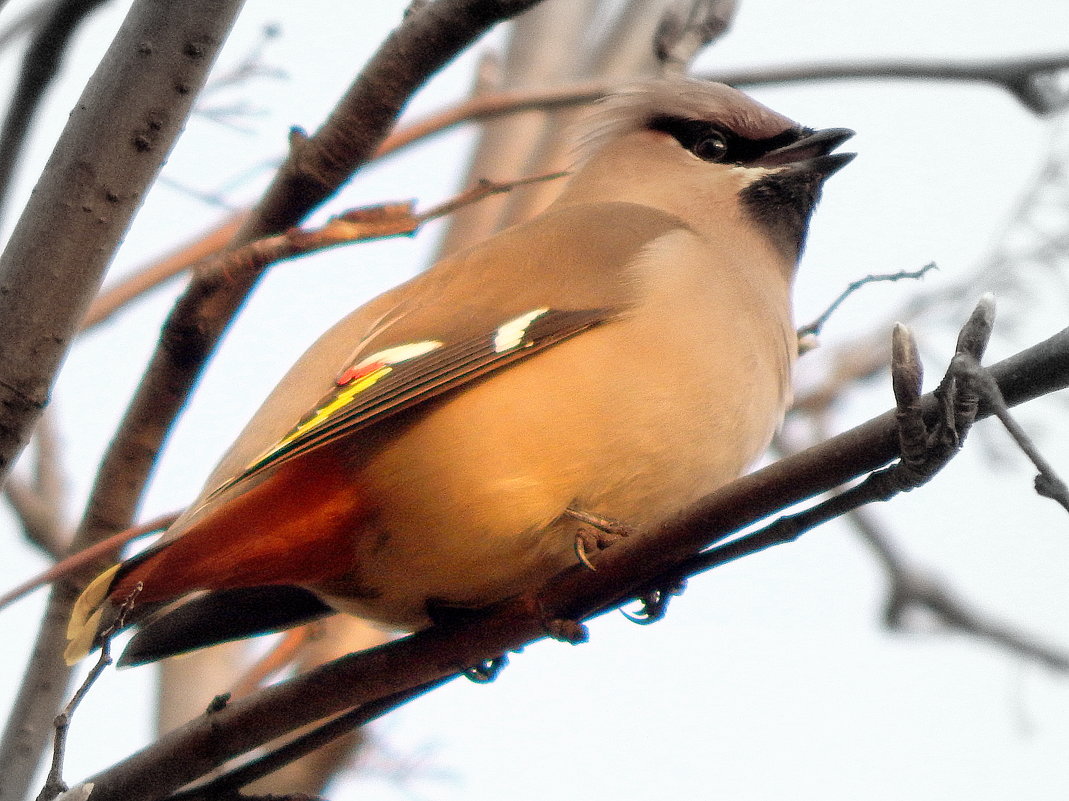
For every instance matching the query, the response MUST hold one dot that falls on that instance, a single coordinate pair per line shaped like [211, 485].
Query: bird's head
[709, 154]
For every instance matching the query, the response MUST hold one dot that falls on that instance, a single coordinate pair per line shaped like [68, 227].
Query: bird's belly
[468, 500]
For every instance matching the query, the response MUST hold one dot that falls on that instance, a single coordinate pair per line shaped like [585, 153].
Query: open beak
[812, 153]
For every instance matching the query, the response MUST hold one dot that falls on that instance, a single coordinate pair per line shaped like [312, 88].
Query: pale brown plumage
[685, 266]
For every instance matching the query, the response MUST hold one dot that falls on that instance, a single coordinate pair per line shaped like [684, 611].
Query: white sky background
[770, 678]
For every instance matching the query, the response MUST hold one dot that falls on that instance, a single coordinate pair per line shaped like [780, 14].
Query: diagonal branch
[430, 36]
[1025, 77]
[623, 570]
[111, 150]
[1008, 73]
[40, 65]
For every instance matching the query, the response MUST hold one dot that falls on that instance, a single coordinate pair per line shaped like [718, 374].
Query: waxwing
[613, 359]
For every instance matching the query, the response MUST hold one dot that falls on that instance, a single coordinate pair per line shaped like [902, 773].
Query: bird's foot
[487, 670]
[654, 603]
[597, 534]
[569, 631]
[443, 613]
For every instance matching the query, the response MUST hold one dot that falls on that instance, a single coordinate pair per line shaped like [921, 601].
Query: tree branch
[112, 148]
[623, 571]
[40, 64]
[1021, 76]
[428, 38]
[1008, 74]
[117, 138]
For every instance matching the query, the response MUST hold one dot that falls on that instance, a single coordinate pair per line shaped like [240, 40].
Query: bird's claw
[654, 604]
[487, 670]
[597, 534]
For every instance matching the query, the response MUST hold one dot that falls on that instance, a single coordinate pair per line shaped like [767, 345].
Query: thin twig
[483, 189]
[251, 65]
[814, 328]
[1048, 483]
[54, 784]
[77, 562]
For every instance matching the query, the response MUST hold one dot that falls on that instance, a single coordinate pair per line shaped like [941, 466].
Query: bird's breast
[633, 420]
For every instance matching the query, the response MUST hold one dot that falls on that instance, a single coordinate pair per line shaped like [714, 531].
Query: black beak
[811, 153]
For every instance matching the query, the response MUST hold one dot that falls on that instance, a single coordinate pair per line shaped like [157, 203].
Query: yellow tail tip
[85, 616]
[79, 645]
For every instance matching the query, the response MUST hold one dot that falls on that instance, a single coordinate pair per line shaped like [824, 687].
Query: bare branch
[1026, 78]
[113, 298]
[54, 784]
[117, 138]
[40, 64]
[913, 588]
[483, 189]
[1048, 483]
[814, 328]
[305, 744]
[113, 146]
[623, 571]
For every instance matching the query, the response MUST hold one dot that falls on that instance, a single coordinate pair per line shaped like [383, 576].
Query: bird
[454, 441]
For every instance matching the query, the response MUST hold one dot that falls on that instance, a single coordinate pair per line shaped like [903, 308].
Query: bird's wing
[393, 380]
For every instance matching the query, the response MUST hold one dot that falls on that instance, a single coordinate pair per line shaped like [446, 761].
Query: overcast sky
[770, 678]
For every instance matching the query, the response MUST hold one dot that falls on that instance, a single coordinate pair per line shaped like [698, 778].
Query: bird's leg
[596, 534]
[599, 533]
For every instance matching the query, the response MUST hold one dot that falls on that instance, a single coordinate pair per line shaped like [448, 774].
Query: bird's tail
[87, 616]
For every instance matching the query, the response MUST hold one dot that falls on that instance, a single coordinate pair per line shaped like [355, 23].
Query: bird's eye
[711, 147]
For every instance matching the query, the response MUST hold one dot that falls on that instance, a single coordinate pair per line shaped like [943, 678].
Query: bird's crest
[633, 108]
